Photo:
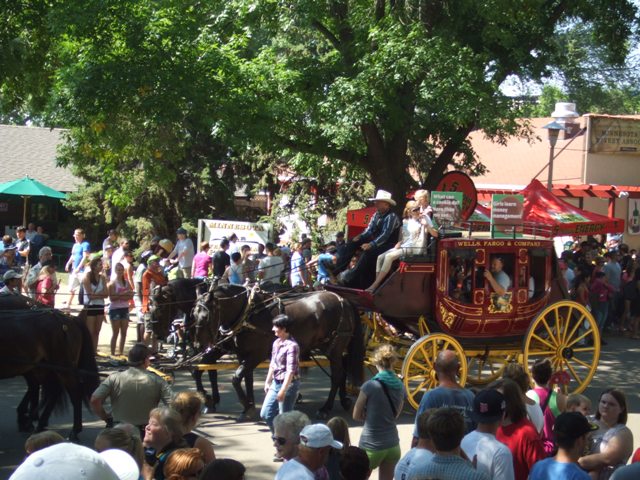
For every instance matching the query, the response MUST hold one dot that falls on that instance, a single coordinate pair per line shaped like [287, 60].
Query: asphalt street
[250, 442]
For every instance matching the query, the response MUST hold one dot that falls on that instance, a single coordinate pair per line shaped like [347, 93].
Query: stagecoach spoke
[569, 315]
[580, 337]
[574, 329]
[558, 325]
[584, 349]
[573, 372]
[541, 353]
[580, 362]
[420, 387]
[551, 335]
[543, 341]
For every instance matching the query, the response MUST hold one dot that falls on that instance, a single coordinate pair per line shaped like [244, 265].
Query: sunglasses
[279, 440]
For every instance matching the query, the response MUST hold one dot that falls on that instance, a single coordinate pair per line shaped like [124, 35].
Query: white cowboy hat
[383, 196]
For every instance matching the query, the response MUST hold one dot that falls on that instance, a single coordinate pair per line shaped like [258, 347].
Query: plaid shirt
[285, 357]
[381, 228]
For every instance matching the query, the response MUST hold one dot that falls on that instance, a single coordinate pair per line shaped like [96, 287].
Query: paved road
[250, 442]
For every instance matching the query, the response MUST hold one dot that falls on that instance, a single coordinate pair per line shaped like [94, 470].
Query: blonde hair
[406, 213]
[180, 462]
[420, 194]
[41, 440]
[577, 399]
[124, 437]
[188, 405]
[171, 421]
[384, 357]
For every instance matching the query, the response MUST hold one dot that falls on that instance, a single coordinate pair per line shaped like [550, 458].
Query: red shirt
[525, 444]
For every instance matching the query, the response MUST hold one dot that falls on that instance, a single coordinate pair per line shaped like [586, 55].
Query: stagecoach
[441, 300]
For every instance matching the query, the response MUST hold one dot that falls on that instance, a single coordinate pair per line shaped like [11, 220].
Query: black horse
[167, 302]
[51, 350]
[238, 320]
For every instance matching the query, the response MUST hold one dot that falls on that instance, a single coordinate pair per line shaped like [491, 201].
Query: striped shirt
[447, 467]
[381, 227]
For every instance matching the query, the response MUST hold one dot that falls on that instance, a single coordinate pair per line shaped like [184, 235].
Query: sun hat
[383, 196]
[318, 436]
[166, 244]
[572, 425]
[10, 275]
[64, 461]
[488, 406]
[123, 464]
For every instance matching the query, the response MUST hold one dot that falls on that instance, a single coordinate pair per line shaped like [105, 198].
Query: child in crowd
[579, 403]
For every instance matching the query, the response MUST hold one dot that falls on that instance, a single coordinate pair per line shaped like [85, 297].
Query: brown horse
[51, 350]
[238, 320]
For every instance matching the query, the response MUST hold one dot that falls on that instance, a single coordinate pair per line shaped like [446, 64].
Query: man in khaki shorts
[75, 265]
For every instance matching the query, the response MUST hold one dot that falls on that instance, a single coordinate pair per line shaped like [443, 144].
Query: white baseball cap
[318, 436]
[64, 461]
[123, 464]
[10, 275]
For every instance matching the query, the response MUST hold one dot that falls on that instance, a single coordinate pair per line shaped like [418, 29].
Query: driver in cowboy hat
[381, 235]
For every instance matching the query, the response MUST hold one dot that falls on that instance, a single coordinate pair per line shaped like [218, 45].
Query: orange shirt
[149, 279]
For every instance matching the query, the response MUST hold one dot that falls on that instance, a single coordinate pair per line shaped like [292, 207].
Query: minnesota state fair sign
[506, 216]
[614, 135]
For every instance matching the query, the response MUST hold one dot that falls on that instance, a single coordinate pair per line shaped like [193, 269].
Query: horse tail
[87, 367]
[54, 395]
[356, 349]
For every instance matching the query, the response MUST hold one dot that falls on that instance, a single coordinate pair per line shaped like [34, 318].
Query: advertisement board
[506, 215]
[248, 233]
[614, 135]
[447, 208]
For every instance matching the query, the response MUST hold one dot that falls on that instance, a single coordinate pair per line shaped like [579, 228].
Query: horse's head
[162, 310]
[217, 310]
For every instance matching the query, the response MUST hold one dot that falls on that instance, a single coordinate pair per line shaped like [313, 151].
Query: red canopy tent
[543, 207]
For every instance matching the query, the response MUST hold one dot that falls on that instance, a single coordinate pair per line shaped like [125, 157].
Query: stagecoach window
[537, 269]
[461, 274]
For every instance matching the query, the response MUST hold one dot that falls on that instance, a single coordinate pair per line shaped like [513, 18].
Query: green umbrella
[28, 187]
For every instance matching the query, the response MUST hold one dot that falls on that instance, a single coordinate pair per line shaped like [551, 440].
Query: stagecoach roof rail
[483, 229]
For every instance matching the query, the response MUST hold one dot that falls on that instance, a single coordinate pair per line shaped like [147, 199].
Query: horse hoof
[247, 416]
[346, 403]
[299, 399]
[73, 437]
[322, 415]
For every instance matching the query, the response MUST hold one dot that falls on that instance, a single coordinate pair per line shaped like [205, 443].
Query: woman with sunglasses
[283, 381]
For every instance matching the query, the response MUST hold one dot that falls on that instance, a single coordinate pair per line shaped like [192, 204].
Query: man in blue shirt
[75, 265]
[571, 431]
[381, 235]
[325, 263]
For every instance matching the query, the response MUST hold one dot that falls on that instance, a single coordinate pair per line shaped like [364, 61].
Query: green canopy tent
[26, 188]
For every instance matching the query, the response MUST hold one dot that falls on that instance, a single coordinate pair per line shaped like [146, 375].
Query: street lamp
[553, 129]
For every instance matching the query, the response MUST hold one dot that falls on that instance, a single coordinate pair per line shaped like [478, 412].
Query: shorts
[74, 281]
[94, 310]
[389, 455]
[116, 314]
[147, 322]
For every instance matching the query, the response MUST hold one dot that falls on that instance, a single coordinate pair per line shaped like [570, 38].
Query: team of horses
[53, 351]
[236, 320]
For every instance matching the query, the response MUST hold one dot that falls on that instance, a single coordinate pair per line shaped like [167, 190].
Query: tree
[392, 88]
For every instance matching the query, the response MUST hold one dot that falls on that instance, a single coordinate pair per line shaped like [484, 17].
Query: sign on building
[248, 233]
[447, 208]
[614, 135]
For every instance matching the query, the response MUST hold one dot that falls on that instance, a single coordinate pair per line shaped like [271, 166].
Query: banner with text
[506, 216]
[447, 208]
[614, 135]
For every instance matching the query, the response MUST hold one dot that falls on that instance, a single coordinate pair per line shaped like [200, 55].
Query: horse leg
[337, 378]
[246, 399]
[213, 380]
[28, 407]
[345, 400]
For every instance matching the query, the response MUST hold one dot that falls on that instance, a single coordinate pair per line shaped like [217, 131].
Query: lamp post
[553, 130]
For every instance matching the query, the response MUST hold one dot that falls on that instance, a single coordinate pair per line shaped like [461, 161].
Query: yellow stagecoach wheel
[418, 374]
[567, 334]
[484, 368]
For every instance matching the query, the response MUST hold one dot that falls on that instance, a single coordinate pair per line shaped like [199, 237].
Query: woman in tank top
[120, 294]
[95, 291]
